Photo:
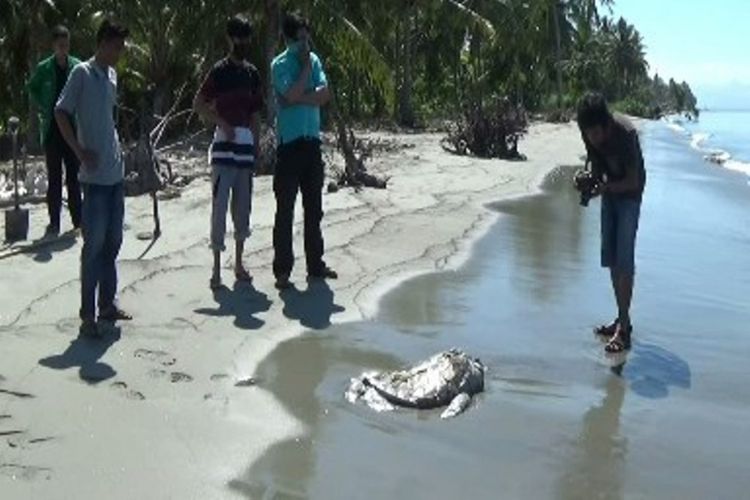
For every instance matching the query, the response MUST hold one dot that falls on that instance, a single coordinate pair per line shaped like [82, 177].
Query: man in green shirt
[44, 88]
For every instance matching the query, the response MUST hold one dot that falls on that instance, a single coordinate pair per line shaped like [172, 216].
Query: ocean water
[721, 134]
[555, 421]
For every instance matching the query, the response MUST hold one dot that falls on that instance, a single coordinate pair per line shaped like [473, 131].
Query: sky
[704, 42]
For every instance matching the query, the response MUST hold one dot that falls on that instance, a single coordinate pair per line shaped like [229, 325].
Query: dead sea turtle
[449, 379]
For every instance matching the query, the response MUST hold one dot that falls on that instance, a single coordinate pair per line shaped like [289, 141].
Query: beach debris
[717, 157]
[489, 129]
[248, 382]
[448, 379]
[355, 152]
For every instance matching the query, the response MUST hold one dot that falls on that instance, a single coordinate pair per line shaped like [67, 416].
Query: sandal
[609, 330]
[620, 342]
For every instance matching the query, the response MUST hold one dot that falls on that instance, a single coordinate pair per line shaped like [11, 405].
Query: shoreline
[370, 242]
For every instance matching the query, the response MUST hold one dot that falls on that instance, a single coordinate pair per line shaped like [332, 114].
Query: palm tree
[628, 55]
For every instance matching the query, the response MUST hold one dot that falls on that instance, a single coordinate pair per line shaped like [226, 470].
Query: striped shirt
[235, 91]
[237, 153]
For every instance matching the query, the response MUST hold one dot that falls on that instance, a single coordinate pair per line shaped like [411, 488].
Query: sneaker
[326, 273]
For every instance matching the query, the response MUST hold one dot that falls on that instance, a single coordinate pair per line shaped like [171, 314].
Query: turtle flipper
[457, 406]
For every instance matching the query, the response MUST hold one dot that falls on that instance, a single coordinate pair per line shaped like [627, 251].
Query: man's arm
[34, 87]
[255, 129]
[204, 104]
[65, 108]
[292, 90]
[321, 95]
[87, 158]
[318, 97]
[593, 163]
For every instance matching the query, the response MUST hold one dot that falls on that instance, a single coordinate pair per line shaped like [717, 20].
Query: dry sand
[162, 411]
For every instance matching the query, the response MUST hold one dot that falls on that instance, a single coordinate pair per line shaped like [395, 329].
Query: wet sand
[558, 418]
[167, 406]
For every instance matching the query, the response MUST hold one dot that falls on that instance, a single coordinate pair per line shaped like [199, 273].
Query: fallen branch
[354, 173]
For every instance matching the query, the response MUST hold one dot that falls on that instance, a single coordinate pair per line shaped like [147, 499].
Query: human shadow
[243, 302]
[652, 370]
[600, 449]
[152, 242]
[313, 307]
[85, 353]
[44, 248]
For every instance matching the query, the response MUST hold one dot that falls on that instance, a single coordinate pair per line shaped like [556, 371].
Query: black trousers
[299, 167]
[57, 151]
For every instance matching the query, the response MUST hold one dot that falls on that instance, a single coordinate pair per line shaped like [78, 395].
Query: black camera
[586, 184]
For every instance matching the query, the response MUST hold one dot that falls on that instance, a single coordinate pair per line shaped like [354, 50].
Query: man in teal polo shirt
[44, 88]
[301, 90]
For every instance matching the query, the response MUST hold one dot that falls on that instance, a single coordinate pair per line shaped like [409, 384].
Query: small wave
[724, 160]
[737, 166]
[698, 140]
[719, 157]
[676, 125]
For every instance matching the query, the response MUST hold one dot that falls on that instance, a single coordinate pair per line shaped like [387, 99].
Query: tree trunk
[273, 20]
[558, 54]
[405, 104]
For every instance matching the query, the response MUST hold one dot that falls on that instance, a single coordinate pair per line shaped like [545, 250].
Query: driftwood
[143, 168]
[266, 164]
[355, 172]
[144, 175]
[488, 130]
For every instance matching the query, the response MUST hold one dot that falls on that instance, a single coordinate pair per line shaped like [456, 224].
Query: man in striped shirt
[230, 98]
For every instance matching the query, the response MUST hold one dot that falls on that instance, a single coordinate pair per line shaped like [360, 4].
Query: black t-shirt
[621, 152]
[61, 78]
[236, 90]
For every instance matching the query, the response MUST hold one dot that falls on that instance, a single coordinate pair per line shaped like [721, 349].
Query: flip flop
[609, 330]
[619, 343]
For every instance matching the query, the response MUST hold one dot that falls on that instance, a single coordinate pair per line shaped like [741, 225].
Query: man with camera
[617, 174]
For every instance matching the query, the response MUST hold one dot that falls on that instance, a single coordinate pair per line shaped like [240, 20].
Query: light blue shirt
[299, 120]
[90, 96]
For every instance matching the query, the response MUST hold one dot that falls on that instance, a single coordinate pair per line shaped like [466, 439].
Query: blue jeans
[620, 216]
[101, 225]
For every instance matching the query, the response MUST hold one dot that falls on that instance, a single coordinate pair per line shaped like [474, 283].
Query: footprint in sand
[122, 387]
[22, 442]
[25, 472]
[16, 394]
[174, 377]
[155, 356]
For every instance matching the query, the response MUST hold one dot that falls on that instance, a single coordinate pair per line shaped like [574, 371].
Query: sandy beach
[170, 408]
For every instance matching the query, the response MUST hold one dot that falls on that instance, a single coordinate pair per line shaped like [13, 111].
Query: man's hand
[88, 158]
[305, 60]
[227, 129]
